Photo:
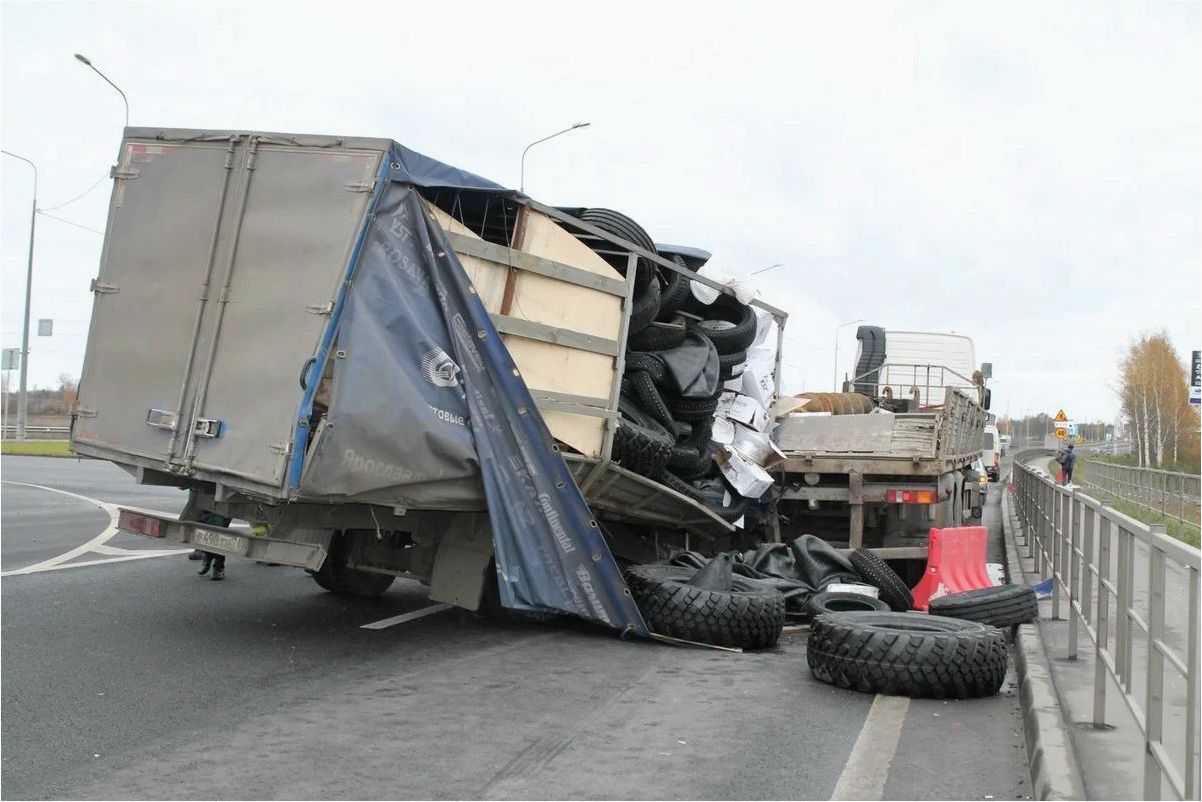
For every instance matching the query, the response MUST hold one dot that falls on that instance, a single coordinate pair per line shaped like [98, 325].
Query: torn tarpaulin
[798, 569]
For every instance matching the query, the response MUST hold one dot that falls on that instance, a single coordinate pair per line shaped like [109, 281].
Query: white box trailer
[378, 356]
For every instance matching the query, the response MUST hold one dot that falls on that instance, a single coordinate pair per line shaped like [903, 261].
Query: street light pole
[837, 328]
[84, 60]
[22, 398]
[522, 182]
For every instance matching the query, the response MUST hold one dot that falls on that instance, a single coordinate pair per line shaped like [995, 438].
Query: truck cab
[991, 451]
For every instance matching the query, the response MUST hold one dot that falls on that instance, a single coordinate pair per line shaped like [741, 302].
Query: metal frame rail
[1072, 537]
[1167, 493]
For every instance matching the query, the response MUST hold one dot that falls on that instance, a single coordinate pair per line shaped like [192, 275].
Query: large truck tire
[640, 444]
[696, 409]
[622, 226]
[829, 601]
[749, 615]
[728, 324]
[872, 356]
[649, 363]
[731, 365]
[336, 577]
[658, 338]
[1001, 606]
[907, 654]
[676, 290]
[877, 573]
[649, 398]
[644, 309]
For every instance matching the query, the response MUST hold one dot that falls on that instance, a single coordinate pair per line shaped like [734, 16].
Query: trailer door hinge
[162, 419]
[325, 309]
[280, 448]
[99, 287]
[83, 412]
[124, 173]
[361, 186]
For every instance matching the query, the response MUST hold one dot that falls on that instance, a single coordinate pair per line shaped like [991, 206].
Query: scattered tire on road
[832, 602]
[907, 654]
[748, 614]
[1000, 606]
[876, 572]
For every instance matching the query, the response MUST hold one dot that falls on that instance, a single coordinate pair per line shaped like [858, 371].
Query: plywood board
[487, 277]
[540, 299]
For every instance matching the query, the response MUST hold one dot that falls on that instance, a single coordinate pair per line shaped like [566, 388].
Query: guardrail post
[1058, 505]
[1154, 704]
[1103, 625]
[1191, 690]
[1072, 574]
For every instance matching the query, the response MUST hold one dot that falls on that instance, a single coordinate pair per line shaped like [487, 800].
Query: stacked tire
[663, 435]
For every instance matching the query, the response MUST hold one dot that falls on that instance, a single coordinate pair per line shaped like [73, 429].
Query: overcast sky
[1026, 175]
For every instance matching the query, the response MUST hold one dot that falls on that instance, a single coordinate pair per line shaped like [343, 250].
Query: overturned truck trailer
[398, 367]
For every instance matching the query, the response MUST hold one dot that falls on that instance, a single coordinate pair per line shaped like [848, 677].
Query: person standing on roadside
[1067, 461]
[212, 561]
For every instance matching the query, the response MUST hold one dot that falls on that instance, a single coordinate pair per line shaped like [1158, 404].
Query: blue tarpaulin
[427, 402]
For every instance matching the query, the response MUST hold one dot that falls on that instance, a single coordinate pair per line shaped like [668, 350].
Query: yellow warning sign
[1061, 433]
[1060, 417]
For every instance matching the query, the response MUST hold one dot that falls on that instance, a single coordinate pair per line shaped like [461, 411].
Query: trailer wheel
[747, 614]
[676, 290]
[336, 577]
[1000, 606]
[875, 571]
[907, 654]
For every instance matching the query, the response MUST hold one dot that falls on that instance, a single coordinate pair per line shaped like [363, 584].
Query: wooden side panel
[487, 277]
[546, 366]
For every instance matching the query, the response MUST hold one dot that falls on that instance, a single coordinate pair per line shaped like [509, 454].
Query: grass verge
[37, 448]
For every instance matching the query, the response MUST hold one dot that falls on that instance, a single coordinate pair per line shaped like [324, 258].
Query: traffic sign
[1061, 433]
[1195, 390]
[1060, 417]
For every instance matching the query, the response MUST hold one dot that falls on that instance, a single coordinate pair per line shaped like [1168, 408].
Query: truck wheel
[676, 291]
[831, 602]
[1000, 606]
[907, 654]
[336, 577]
[748, 614]
[875, 571]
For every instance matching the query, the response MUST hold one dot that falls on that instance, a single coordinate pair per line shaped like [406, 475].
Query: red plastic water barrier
[955, 563]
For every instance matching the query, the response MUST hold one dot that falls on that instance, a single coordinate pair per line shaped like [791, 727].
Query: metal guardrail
[9, 432]
[1167, 493]
[1090, 551]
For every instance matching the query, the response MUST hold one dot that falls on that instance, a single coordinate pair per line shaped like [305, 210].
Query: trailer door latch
[207, 427]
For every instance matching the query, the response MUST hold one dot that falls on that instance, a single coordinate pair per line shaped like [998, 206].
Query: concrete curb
[1055, 773]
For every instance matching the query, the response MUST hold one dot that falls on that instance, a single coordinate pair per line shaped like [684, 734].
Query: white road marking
[384, 623]
[97, 545]
[868, 764]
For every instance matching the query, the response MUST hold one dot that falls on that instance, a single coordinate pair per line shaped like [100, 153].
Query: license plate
[219, 541]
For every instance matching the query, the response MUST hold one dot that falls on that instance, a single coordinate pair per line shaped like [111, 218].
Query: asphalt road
[133, 678]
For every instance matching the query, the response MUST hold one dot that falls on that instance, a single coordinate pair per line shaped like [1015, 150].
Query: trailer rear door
[303, 210]
[162, 218]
